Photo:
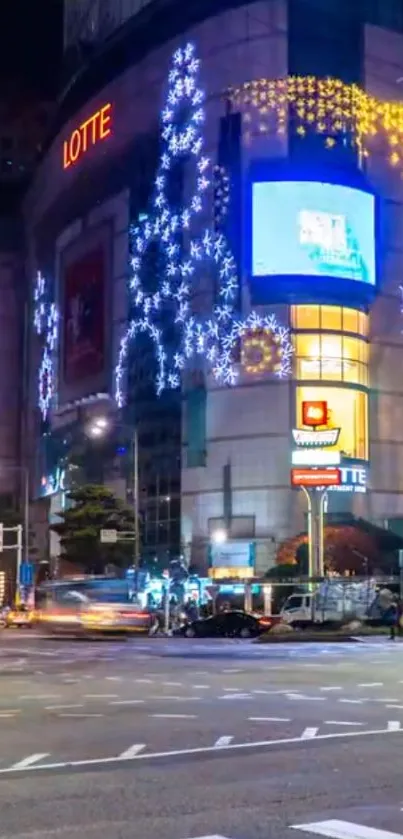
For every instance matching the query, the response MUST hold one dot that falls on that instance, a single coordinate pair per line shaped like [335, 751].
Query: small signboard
[109, 537]
[315, 477]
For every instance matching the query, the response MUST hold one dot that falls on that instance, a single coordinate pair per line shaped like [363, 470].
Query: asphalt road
[183, 739]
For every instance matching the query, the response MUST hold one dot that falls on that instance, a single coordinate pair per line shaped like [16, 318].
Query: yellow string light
[261, 352]
[328, 107]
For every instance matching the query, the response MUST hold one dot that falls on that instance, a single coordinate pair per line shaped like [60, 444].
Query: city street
[183, 739]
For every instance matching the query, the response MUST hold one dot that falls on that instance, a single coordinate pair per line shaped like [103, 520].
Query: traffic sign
[109, 537]
[26, 574]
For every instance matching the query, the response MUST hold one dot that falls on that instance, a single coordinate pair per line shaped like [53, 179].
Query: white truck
[333, 601]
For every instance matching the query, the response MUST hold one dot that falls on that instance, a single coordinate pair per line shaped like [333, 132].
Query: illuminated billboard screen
[310, 228]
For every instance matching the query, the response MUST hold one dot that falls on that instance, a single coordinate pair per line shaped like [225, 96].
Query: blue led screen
[313, 229]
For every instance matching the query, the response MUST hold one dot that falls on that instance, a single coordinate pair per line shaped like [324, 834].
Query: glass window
[305, 317]
[330, 317]
[350, 320]
[352, 349]
[363, 324]
[347, 410]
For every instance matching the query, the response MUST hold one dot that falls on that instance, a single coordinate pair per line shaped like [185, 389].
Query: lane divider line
[201, 750]
[269, 719]
[174, 716]
[342, 722]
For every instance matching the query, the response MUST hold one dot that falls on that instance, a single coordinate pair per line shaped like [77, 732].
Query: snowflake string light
[181, 129]
[182, 119]
[261, 331]
[46, 325]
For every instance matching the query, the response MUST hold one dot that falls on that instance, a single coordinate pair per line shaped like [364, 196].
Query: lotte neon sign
[91, 132]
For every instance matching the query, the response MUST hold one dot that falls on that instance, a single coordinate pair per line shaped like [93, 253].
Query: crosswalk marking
[335, 829]
[132, 751]
[309, 733]
[225, 740]
[29, 761]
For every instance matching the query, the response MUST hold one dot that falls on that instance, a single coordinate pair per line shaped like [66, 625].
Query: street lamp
[218, 537]
[97, 429]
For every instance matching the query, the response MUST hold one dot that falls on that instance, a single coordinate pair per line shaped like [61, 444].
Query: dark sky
[31, 34]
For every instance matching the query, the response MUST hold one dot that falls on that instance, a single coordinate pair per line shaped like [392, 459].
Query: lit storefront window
[347, 410]
[330, 357]
[333, 318]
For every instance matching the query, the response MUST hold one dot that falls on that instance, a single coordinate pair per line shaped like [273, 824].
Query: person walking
[394, 620]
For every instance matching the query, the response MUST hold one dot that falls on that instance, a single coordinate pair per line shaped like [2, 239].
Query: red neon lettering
[105, 120]
[94, 129]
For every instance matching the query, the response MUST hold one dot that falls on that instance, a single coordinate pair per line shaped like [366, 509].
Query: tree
[348, 547]
[90, 509]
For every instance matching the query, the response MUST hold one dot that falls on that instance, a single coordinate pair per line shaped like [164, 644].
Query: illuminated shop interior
[337, 351]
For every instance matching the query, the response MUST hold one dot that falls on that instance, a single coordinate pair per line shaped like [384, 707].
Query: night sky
[31, 33]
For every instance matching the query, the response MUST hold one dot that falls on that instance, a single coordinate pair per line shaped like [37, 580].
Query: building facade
[302, 123]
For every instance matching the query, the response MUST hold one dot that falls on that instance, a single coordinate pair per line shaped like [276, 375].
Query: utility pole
[136, 497]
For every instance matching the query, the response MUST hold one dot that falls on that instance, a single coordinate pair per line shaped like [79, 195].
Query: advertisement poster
[84, 317]
[304, 228]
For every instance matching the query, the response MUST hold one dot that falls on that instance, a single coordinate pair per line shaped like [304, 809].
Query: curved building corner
[216, 461]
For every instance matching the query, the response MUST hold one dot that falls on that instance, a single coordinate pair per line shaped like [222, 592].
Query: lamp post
[98, 429]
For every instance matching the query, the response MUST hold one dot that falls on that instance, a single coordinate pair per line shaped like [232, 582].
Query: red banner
[84, 317]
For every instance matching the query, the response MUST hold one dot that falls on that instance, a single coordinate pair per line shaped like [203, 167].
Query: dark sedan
[229, 624]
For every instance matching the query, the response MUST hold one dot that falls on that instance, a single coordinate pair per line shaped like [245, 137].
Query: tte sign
[96, 128]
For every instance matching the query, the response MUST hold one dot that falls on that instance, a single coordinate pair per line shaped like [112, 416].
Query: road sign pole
[19, 562]
[310, 532]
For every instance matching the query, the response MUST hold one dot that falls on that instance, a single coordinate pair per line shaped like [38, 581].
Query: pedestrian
[393, 618]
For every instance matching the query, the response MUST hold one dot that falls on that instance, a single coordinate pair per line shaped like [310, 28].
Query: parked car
[229, 624]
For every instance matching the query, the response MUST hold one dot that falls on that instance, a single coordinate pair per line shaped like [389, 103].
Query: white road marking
[132, 751]
[309, 733]
[62, 716]
[210, 837]
[144, 681]
[269, 719]
[394, 725]
[233, 670]
[260, 744]
[165, 697]
[335, 829]
[395, 706]
[40, 696]
[127, 702]
[200, 687]
[173, 684]
[236, 696]
[62, 707]
[231, 690]
[30, 760]
[174, 716]
[113, 678]
[371, 685]
[342, 722]
[301, 697]
[331, 688]
[351, 701]
[101, 696]
[225, 740]
[5, 715]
